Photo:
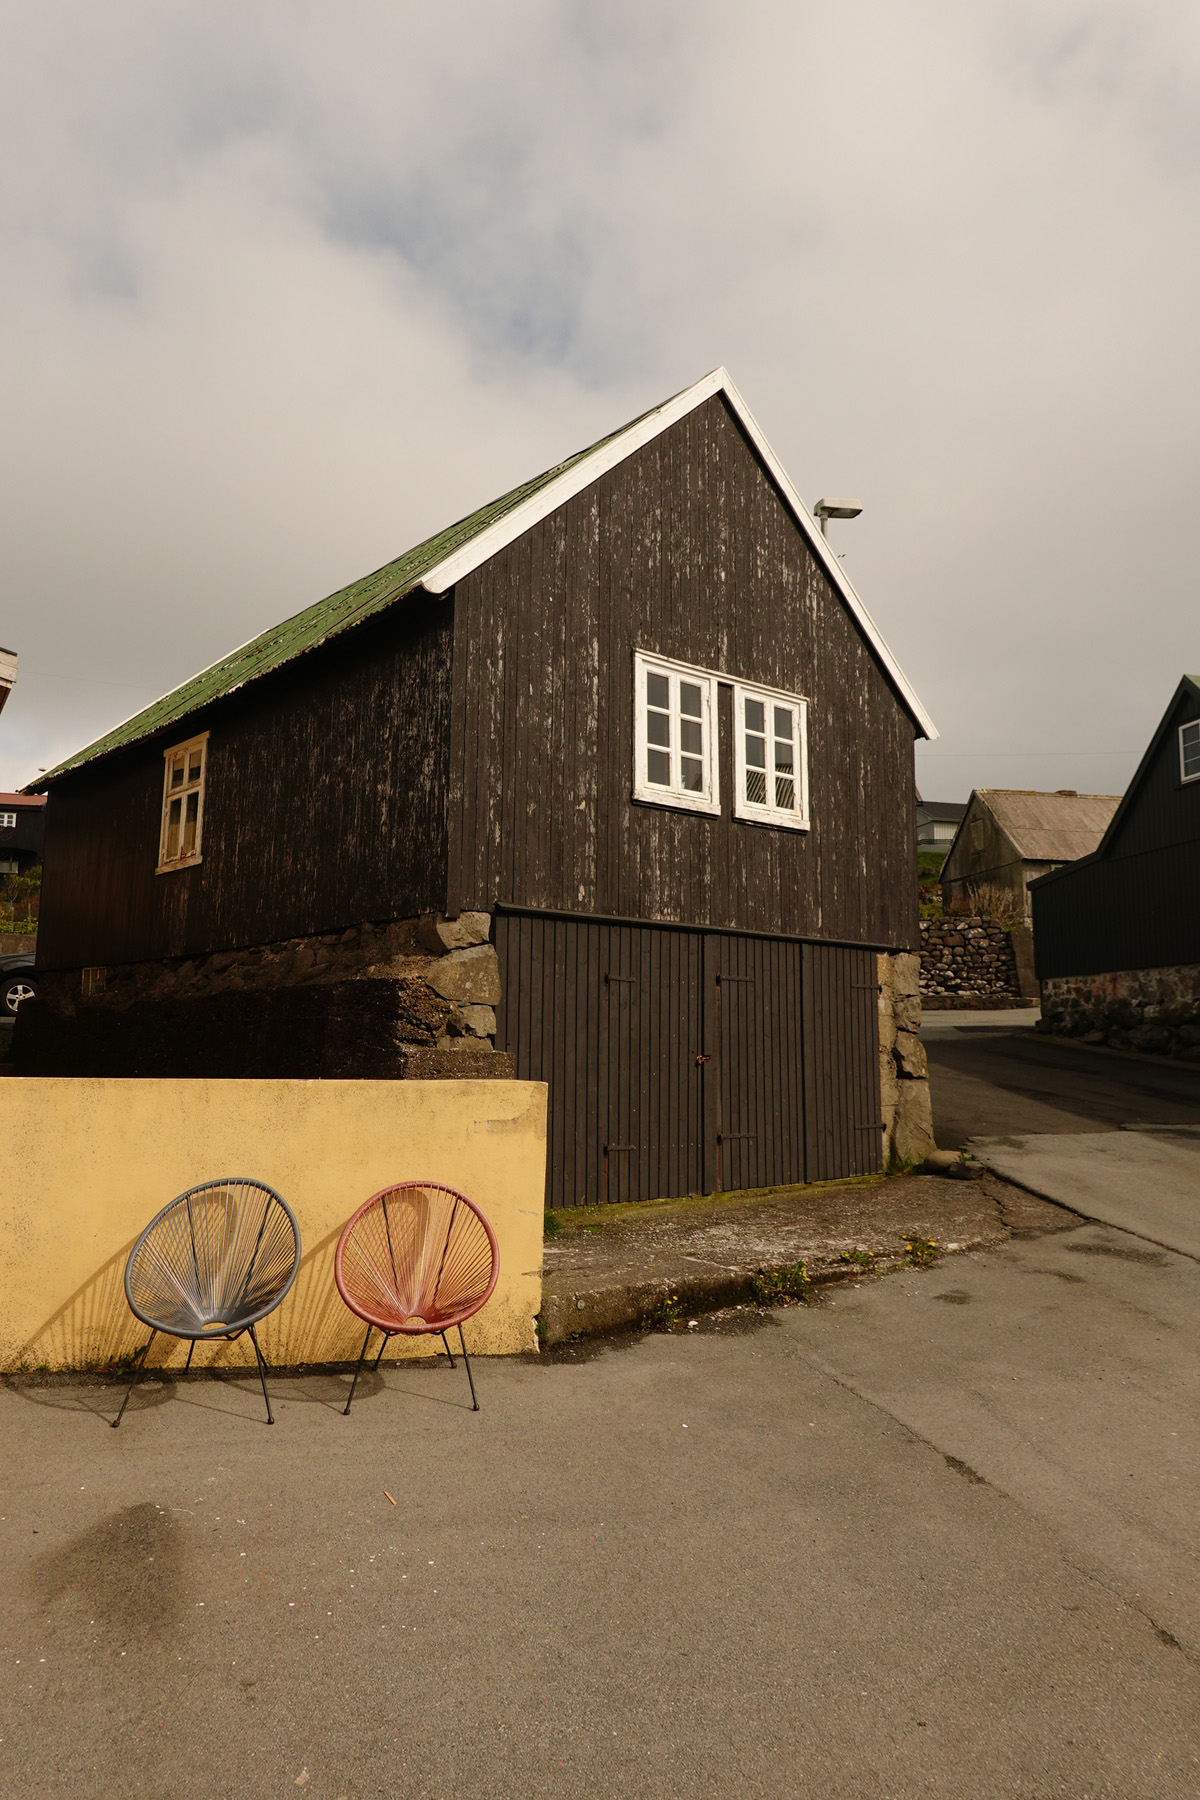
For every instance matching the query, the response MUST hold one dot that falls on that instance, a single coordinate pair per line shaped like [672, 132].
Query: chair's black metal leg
[387, 1338]
[449, 1351]
[462, 1340]
[262, 1375]
[361, 1358]
[137, 1375]
[187, 1365]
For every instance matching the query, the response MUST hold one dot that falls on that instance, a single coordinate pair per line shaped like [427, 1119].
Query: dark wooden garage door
[683, 1061]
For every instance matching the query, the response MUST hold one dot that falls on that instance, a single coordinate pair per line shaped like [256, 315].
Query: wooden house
[1007, 837]
[22, 830]
[1117, 934]
[609, 785]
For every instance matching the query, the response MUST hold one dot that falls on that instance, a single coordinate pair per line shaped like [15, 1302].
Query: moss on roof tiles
[307, 629]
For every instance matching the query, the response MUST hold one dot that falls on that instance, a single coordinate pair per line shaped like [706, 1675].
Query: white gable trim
[462, 562]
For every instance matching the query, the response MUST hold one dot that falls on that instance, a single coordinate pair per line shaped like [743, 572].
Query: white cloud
[287, 287]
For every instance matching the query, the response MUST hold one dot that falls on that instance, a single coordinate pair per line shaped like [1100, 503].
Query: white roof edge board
[462, 562]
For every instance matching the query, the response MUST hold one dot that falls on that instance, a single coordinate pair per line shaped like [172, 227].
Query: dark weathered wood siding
[685, 549]
[683, 1061]
[1134, 905]
[324, 806]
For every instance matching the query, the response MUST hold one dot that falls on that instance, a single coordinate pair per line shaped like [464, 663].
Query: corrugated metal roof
[1050, 827]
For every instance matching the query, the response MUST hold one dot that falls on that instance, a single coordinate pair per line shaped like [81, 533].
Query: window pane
[783, 721]
[658, 728]
[783, 756]
[194, 766]
[785, 793]
[691, 699]
[1190, 736]
[174, 817]
[176, 771]
[658, 690]
[658, 768]
[691, 736]
[756, 752]
[756, 787]
[756, 716]
[691, 772]
[191, 815]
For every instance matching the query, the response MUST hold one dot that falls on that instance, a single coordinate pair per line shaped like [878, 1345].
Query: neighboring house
[8, 674]
[1008, 837]
[1118, 933]
[937, 822]
[22, 831]
[610, 784]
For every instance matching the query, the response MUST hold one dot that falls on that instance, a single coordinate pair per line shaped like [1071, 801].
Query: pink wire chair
[418, 1257]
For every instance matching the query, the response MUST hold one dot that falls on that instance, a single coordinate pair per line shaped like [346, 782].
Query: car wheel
[15, 991]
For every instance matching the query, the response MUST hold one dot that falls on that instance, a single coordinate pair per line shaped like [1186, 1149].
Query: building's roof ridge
[445, 558]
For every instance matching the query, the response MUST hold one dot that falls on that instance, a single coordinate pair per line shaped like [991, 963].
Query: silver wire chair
[210, 1265]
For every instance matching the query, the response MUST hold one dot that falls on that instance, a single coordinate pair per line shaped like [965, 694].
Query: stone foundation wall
[412, 997]
[903, 1073]
[968, 962]
[1154, 1010]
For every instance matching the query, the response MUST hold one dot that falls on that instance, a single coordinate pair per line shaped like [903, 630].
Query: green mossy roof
[307, 629]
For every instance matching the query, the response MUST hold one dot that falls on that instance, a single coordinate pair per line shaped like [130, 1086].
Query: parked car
[17, 983]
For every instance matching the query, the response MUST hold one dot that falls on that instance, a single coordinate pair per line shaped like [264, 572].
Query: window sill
[172, 868]
[773, 821]
[664, 802]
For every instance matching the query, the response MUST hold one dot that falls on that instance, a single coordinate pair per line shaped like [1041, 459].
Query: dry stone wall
[968, 962]
[903, 1074]
[1153, 1010]
[411, 997]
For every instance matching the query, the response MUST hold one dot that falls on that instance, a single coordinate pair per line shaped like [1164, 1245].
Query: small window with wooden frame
[183, 804]
[1189, 751]
[770, 757]
[675, 735]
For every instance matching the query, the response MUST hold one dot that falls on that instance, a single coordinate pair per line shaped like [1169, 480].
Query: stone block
[912, 1132]
[909, 1053]
[470, 976]
[907, 1012]
[906, 972]
[472, 1022]
[448, 1065]
[438, 934]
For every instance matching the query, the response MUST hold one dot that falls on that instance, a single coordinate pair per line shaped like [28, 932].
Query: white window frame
[197, 786]
[654, 793]
[8, 821]
[767, 812]
[1188, 725]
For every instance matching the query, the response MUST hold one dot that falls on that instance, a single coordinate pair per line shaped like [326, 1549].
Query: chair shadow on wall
[93, 1332]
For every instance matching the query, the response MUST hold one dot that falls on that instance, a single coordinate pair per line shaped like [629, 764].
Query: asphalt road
[933, 1536]
[995, 1081]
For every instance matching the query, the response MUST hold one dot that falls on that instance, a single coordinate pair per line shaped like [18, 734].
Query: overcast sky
[286, 286]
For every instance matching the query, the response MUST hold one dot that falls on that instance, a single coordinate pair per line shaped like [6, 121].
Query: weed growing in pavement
[922, 1252]
[664, 1313]
[862, 1259]
[550, 1226]
[787, 1281]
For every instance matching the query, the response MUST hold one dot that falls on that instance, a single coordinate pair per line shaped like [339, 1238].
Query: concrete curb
[595, 1311]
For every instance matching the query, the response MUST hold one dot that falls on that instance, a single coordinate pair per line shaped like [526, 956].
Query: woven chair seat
[416, 1258]
[214, 1261]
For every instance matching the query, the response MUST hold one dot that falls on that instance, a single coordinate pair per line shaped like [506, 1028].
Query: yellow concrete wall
[87, 1164]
